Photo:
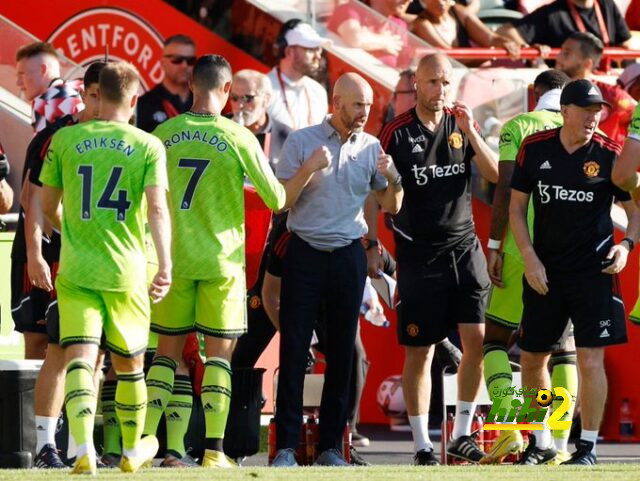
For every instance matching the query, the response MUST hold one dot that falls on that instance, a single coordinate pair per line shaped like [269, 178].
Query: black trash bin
[17, 420]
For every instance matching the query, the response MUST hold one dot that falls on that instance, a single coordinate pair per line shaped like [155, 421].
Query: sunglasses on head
[242, 98]
[178, 59]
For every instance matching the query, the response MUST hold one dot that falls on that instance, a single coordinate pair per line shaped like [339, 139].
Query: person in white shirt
[298, 101]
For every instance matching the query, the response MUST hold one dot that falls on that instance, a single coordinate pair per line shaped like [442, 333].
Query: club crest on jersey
[455, 140]
[591, 168]
[413, 330]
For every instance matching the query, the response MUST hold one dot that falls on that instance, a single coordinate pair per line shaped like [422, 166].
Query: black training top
[572, 197]
[551, 24]
[436, 177]
[158, 105]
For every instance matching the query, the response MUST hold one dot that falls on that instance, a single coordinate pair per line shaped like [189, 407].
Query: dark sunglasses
[247, 99]
[178, 59]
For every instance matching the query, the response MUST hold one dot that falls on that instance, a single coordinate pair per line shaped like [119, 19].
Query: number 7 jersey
[208, 157]
[103, 168]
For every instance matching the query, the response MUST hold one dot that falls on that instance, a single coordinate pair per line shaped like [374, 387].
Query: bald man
[325, 263]
[442, 278]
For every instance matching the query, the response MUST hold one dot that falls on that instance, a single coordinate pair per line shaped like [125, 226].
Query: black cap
[582, 93]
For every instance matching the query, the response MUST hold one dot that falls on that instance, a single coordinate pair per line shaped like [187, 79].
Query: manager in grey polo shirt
[325, 263]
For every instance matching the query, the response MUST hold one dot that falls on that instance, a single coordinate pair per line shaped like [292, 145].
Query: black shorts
[33, 309]
[593, 302]
[437, 295]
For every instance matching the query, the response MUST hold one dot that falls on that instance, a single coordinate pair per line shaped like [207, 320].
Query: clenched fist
[386, 167]
[319, 159]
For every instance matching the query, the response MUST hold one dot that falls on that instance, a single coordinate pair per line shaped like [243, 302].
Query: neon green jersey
[511, 137]
[208, 157]
[103, 168]
[634, 127]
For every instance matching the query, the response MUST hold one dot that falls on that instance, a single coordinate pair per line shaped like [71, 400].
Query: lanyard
[286, 102]
[169, 109]
[266, 144]
[599, 18]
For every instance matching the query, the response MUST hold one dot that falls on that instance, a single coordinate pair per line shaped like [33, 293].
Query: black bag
[242, 434]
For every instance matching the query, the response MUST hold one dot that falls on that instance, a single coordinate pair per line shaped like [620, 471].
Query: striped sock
[159, 387]
[80, 400]
[131, 407]
[216, 398]
[178, 414]
[111, 425]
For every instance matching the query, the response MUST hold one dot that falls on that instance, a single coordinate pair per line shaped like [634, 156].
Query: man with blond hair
[103, 171]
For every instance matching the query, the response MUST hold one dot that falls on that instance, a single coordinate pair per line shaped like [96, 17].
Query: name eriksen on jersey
[104, 143]
[188, 136]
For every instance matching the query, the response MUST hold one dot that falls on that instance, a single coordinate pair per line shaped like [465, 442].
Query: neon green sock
[178, 413]
[111, 425]
[80, 400]
[131, 406]
[564, 374]
[159, 387]
[497, 373]
[216, 396]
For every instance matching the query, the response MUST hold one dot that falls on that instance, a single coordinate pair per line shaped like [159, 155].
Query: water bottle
[626, 421]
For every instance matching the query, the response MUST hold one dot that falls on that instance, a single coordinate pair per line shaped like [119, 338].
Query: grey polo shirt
[329, 212]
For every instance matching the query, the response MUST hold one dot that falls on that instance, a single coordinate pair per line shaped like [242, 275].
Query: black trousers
[310, 279]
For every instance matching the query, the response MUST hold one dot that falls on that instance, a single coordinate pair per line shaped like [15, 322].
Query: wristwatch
[369, 243]
[630, 242]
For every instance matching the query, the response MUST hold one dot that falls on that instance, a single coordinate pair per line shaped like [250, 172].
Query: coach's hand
[39, 273]
[464, 117]
[536, 274]
[374, 263]
[160, 285]
[618, 254]
[494, 267]
[386, 167]
[319, 159]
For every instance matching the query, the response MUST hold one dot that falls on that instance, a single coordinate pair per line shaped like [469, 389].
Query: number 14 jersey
[103, 168]
[208, 157]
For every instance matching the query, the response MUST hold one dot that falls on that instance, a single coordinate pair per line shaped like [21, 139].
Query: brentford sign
[85, 37]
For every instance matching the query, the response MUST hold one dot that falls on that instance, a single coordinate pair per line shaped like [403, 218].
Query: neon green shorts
[634, 315]
[505, 304]
[86, 313]
[214, 307]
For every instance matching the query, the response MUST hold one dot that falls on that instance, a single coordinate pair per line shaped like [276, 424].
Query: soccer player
[625, 175]
[209, 155]
[504, 309]
[572, 265]
[43, 252]
[103, 170]
[442, 277]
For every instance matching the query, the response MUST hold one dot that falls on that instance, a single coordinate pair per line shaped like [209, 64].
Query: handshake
[4, 167]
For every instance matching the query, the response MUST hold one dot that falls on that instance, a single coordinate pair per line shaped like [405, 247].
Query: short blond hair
[119, 81]
[36, 48]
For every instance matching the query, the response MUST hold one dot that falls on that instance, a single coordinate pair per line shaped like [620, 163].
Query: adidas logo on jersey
[545, 165]
[417, 149]
[605, 333]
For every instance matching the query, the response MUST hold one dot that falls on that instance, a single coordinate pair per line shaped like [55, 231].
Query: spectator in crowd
[172, 96]
[325, 262]
[630, 80]
[578, 58]
[6, 192]
[632, 17]
[404, 96]
[442, 278]
[386, 39]
[551, 24]
[38, 77]
[251, 93]
[298, 100]
[446, 24]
